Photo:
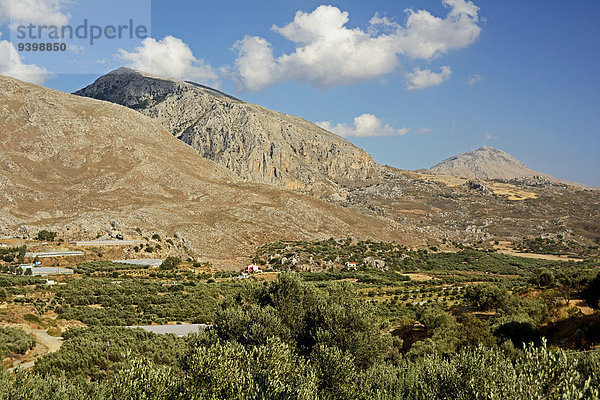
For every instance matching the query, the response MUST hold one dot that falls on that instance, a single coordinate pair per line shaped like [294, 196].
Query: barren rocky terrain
[473, 210]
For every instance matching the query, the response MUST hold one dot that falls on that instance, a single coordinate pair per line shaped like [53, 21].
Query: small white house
[351, 265]
[253, 269]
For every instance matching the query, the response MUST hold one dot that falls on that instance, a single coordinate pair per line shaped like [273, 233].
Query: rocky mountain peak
[484, 163]
[255, 143]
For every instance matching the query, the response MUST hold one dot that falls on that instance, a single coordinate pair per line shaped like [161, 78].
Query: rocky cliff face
[485, 163]
[257, 144]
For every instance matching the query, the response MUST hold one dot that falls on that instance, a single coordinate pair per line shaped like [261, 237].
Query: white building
[351, 265]
[253, 269]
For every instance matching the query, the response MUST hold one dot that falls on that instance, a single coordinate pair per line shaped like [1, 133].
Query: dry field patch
[513, 193]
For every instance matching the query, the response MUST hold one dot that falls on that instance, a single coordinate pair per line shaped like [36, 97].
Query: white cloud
[424, 78]
[38, 12]
[169, 57]
[328, 53]
[255, 66]
[365, 125]
[426, 36]
[11, 64]
[489, 136]
[475, 79]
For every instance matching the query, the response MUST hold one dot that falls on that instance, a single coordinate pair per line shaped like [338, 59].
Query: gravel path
[45, 344]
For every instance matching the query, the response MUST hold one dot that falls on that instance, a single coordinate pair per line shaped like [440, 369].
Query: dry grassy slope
[258, 144]
[72, 161]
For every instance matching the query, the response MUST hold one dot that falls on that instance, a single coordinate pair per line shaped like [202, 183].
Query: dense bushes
[477, 261]
[140, 301]
[105, 266]
[170, 263]
[314, 336]
[84, 351]
[331, 255]
[291, 340]
[305, 317]
[14, 281]
[9, 254]
[487, 297]
[217, 369]
[507, 306]
[14, 341]
[328, 252]
[343, 357]
[229, 370]
[45, 235]
[557, 246]
[516, 318]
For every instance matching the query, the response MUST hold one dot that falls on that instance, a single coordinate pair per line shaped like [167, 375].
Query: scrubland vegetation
[558, 247]
[84, 353]
[403, 325]
[14, 341]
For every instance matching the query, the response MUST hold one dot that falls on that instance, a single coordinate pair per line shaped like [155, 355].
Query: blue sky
[521, 76]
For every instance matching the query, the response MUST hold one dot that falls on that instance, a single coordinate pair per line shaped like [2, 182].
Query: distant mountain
[486, 163]
[257, 144]
[78, 164]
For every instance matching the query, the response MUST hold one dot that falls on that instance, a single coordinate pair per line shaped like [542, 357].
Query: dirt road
[45, 344]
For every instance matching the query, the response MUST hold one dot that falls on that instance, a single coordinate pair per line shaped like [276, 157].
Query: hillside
[70, 162]
[486, 163]
[257, 144]
[260, 145]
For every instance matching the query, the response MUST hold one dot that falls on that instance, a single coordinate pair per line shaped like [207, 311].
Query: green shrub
[32, 318]
[83, 352]
[15, 341]
[170, 263]
[46, 236]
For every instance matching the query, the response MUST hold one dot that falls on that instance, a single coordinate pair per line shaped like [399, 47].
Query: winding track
[45, 344]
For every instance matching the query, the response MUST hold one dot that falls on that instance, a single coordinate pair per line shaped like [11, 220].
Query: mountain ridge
[74, 163]
[256, 143]
[77, 164]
